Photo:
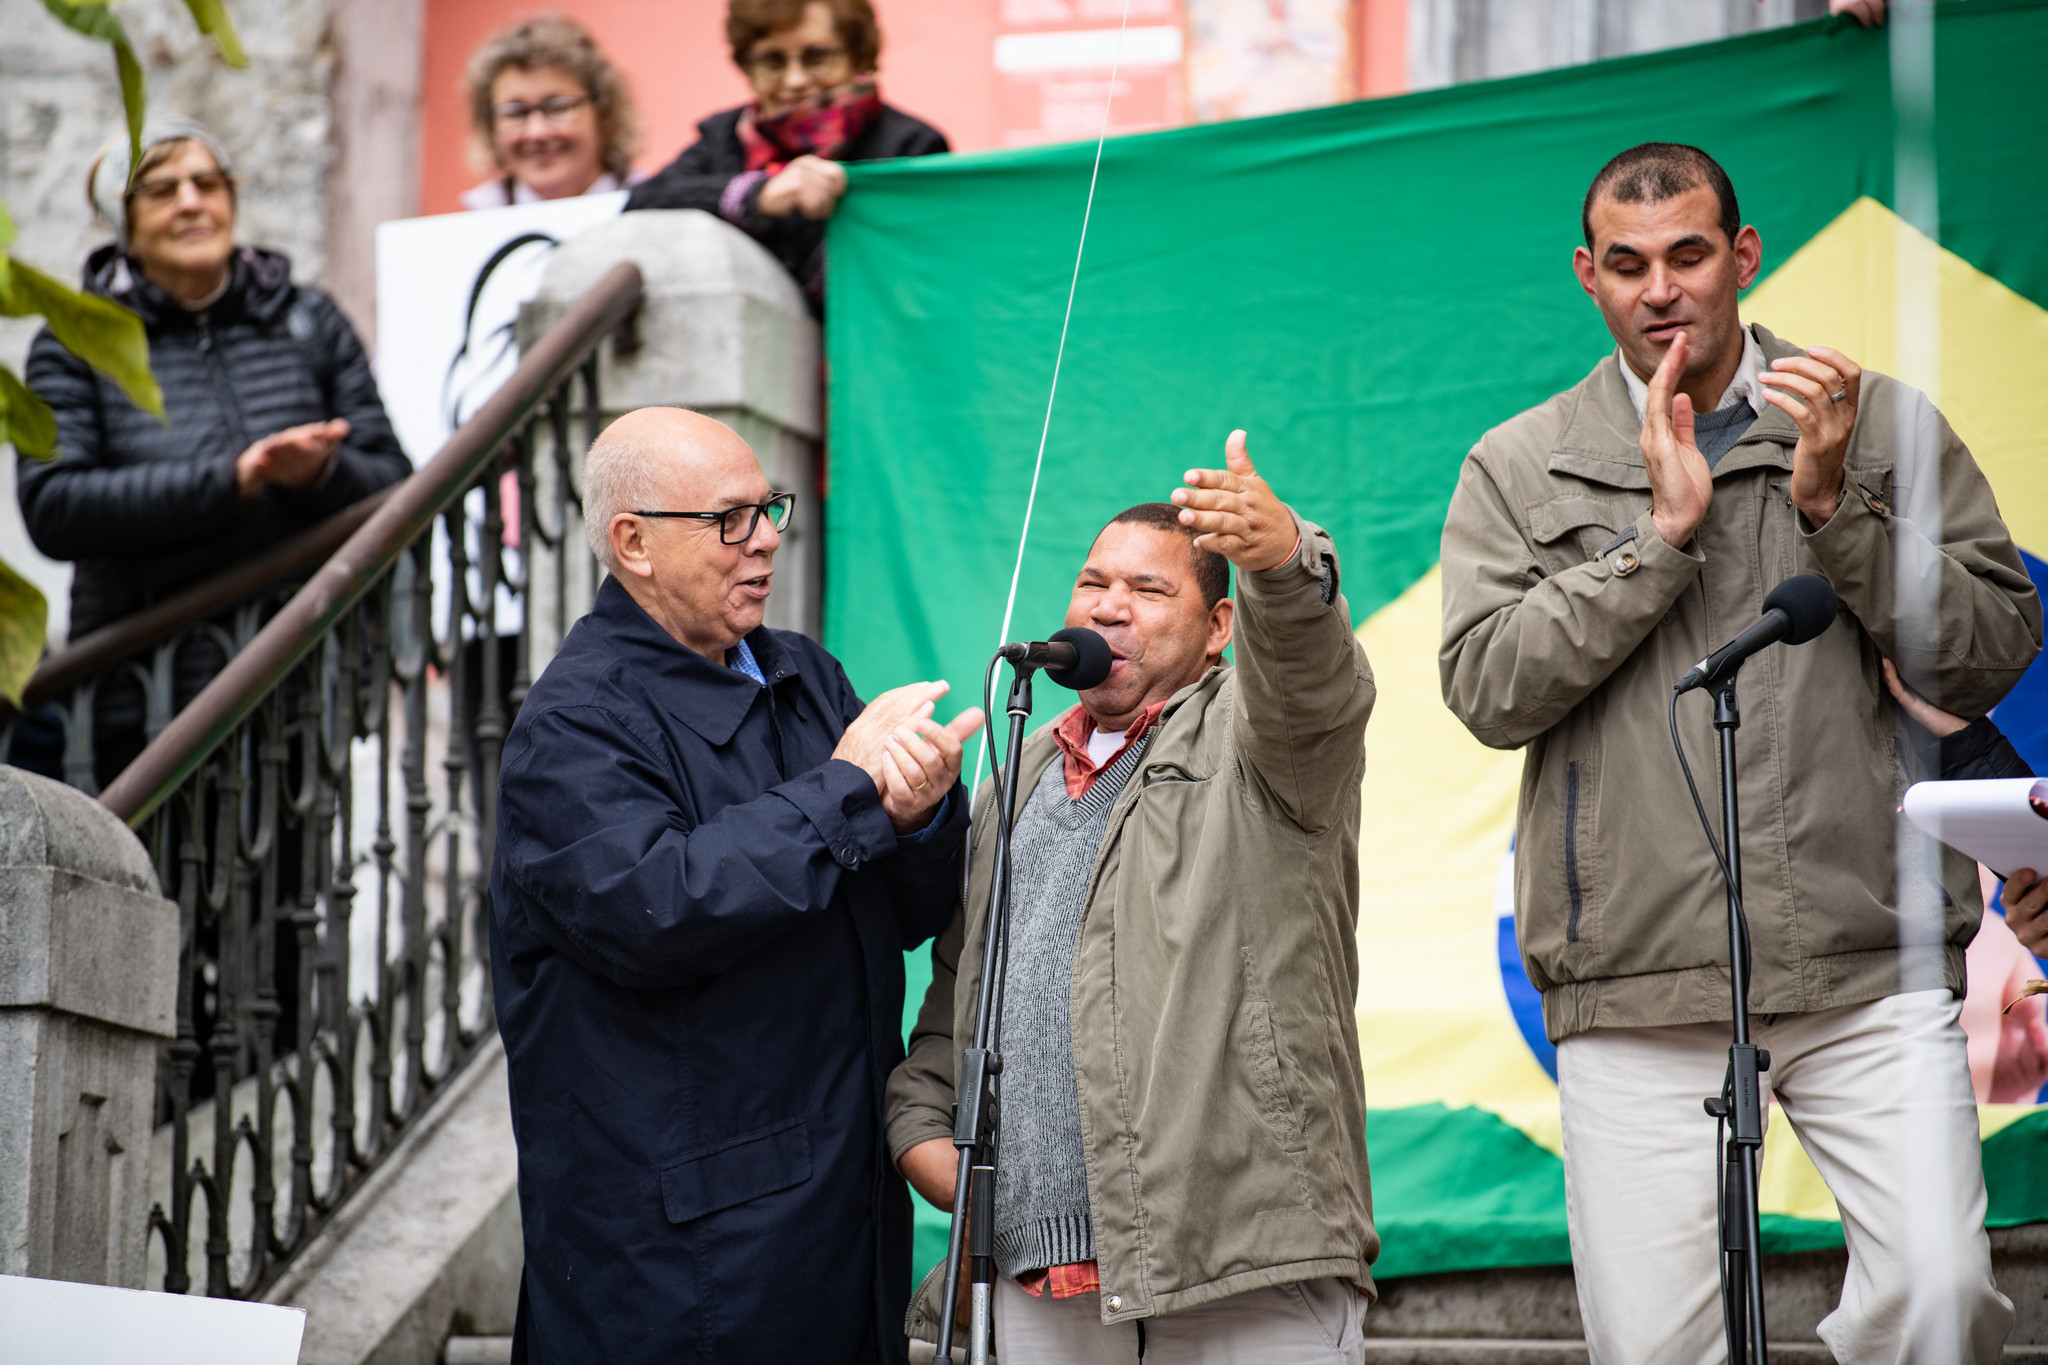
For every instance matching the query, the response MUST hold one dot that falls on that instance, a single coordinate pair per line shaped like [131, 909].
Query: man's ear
[1222, 617]
[1582, 266]
[629, 545]
[1749, 256]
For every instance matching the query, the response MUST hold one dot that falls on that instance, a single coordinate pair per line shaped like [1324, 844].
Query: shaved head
[627, 465]
[706, 593]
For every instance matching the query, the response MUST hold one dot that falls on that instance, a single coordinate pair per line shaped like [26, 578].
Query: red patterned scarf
[822, 125]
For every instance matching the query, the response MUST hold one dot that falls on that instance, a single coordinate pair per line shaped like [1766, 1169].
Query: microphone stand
[975, 1108]
[1740, 1102]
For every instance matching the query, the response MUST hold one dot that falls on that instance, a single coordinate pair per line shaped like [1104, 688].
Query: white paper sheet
[2002, 823]
[55, 1322]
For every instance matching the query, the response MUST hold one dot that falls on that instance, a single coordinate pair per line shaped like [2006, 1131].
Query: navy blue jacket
[698, 926]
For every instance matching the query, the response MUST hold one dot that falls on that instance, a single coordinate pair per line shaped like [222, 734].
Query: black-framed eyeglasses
[772, 65]
[736, 525]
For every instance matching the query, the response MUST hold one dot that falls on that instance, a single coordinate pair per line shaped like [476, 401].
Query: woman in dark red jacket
[772, 167]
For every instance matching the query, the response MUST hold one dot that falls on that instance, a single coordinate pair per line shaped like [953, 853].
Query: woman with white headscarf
[273, 418]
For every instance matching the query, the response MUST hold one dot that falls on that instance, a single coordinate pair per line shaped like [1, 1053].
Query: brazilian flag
[1366, 289]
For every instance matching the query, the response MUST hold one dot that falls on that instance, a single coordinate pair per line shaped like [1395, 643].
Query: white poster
[449, 289]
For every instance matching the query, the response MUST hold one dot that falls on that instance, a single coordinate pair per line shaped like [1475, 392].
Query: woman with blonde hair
[774, 167]
[553, 118]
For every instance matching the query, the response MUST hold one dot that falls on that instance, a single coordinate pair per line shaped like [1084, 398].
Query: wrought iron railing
[331, 883]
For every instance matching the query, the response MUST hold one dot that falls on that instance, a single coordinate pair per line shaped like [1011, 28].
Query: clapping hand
[913, 759]
[1818, 391]
[1681, 485]
[293, 458]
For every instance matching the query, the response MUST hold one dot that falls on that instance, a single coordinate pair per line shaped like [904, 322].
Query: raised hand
[1818, 391]
[1236, 512]
[1681, 485]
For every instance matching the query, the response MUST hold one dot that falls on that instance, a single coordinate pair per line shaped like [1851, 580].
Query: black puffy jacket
[697, 179]
[144, 508]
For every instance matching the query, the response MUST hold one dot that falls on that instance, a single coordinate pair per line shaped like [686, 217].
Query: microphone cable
[1728, 1079]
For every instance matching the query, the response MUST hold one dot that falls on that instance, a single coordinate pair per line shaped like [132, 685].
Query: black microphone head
[1809, 600]
[1091, 659]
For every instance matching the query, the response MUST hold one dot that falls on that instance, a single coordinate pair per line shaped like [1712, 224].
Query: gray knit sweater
[1041, 1173]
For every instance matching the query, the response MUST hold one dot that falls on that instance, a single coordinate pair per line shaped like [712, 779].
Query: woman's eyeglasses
[736, 525]
[162, 189]
[553, 109]
[771, 65]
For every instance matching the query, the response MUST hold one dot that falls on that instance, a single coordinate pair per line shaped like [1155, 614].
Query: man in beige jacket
[1181, 1172]
[1597, 546]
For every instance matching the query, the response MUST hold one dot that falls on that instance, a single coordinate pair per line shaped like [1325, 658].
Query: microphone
[1797, 610]
[1076, 657]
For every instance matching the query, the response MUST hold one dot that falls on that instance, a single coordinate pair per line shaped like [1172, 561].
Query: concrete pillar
[724, 330]
[88, 990]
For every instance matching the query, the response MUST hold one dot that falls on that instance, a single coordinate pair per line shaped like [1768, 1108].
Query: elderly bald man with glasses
[711, 858]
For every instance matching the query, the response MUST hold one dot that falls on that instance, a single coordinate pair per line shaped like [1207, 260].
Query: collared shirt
[1744, 387]
[743, 660]
[1074, 733]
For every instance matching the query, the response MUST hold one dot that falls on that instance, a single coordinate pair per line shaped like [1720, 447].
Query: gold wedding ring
[922, 785]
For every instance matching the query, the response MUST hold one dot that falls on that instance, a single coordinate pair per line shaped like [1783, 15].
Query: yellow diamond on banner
[1978, 349]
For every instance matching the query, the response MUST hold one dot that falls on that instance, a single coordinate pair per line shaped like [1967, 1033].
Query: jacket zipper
[1571, 849]
[223, 391]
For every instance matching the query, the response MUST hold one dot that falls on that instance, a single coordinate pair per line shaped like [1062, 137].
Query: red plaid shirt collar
[1072, 734]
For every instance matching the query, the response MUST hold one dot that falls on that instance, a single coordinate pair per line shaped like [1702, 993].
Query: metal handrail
[154, 624]
[362, 560]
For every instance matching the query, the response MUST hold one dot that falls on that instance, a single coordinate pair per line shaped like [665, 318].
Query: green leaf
[98, 21]
[213, 21]
[98, 331]
[26, 419]
[6, 227]
[24, 627]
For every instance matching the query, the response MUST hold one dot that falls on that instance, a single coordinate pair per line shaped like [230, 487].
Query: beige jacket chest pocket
[1572, 528]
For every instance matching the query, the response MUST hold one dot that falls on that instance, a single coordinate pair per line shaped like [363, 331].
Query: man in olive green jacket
[1202, 988]
[1599, 545]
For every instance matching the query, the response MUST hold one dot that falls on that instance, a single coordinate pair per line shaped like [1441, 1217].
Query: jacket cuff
[840, 801]
[736, 203]
[1975, 744]
[1314, 562]
[1662, 566]
[950, 813]
[910, 1126]
[1858, 528]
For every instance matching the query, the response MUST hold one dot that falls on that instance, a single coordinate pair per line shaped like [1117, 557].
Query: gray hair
[618, 476]
[106, 184]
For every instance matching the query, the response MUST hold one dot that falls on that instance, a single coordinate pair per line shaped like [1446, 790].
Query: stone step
[477, 1351]
[1478, 1351]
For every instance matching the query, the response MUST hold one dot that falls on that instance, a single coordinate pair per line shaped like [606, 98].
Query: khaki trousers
[1880, 1097]
[1316, 1322]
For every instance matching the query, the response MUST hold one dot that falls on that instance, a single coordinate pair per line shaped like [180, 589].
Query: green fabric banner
[1366, 289]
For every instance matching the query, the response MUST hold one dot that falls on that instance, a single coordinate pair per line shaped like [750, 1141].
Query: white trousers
[1316, 1322]
[1880, 1097]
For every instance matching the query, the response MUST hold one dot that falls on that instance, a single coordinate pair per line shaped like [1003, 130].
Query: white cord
[1073, 284]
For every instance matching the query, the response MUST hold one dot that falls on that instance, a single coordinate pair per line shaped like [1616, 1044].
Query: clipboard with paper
[2001, 822]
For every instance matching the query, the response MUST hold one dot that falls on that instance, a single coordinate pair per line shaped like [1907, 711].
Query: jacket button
[1876, 504]
[1626, 563]
[1115, 1303]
